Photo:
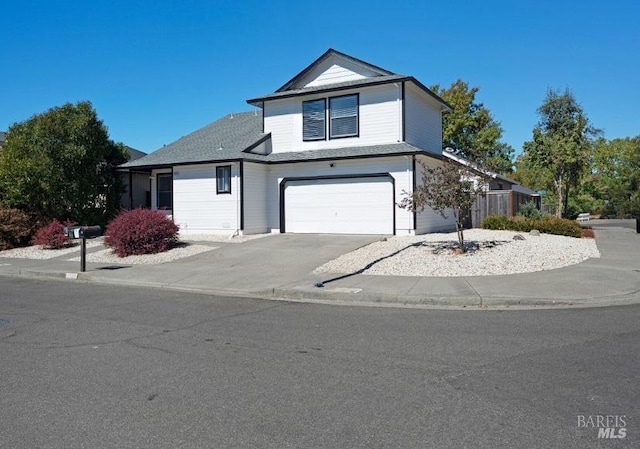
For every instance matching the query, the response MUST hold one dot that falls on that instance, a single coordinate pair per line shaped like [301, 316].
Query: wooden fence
[498, 202]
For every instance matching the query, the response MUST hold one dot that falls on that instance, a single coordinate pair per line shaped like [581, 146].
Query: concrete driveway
[254, 266]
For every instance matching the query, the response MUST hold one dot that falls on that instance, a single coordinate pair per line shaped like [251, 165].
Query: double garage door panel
[339, 206]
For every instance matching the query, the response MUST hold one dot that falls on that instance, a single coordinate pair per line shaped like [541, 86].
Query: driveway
[258, 265]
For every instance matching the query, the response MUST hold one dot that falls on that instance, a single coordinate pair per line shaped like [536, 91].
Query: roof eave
[259, 102]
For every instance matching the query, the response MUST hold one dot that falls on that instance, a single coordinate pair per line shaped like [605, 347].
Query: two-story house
[331, 151]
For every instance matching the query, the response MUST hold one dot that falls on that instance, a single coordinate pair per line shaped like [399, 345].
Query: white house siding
[279, 117]
[255, 198]
[399, 167]
[429, 221]
[335, 70]
[423, 120]
[379, 120]
[196, 206]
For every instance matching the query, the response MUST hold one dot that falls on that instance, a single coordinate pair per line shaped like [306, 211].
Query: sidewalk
[273, 270]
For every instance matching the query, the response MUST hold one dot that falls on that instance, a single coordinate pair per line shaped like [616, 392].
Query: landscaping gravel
[40, 253]
[489, 253]
[180, 252]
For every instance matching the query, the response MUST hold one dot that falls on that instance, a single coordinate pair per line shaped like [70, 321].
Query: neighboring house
[137, 185]
[331, 151]
[503, 196]
[2, 138]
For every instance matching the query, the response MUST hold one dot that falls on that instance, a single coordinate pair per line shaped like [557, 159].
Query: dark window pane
[343, 115]
[313, 120]
[223, 179]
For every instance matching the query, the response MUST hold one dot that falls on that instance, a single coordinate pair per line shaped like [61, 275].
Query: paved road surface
[87, 366]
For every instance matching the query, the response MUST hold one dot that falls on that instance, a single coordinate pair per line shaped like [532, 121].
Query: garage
[342, 205]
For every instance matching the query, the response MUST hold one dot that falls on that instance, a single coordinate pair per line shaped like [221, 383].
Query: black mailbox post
[84, 233]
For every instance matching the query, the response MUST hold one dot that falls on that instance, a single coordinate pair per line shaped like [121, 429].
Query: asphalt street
[94, 366]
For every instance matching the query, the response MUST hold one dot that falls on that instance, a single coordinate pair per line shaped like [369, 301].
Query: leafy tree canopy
[471, 130]
[561, 143]
[61, 164]
[616, 175]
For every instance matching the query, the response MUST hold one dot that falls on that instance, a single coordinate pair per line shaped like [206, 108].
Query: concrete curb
[350, 297]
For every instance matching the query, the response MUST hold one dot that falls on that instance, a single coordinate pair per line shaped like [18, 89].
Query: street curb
[356, 298]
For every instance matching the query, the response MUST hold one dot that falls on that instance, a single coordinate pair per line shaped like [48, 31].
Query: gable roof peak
[291, 84]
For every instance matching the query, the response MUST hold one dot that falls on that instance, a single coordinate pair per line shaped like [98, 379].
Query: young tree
[471, 130]
[61, 164]
[561, 143]
[449, 188]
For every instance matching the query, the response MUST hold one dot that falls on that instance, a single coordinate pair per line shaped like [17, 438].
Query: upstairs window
[313, 119]
[223, 179]
[165, 191]
[343, 116]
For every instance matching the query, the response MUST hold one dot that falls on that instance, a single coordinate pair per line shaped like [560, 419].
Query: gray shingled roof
[223, 139]
[346, 152]
[134, 154]
[238, 132]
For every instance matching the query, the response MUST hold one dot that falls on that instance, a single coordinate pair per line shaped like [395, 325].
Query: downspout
[238, 205]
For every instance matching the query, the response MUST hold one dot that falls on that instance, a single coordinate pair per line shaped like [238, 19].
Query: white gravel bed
[220, 238]
[107, 256]
[40, 253]
[492, 253]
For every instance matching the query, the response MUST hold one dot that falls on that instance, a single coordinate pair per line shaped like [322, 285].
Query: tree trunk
[558, 183]
[459, 230]
[566, 200]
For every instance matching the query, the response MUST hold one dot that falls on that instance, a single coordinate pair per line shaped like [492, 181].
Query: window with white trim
[164, 183]
[343, 116]
[313, 119]
[223, 179]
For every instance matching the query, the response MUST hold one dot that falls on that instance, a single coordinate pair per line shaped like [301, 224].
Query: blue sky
[157, 70]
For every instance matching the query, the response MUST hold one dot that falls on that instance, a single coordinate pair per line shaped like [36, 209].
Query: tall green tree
[471, 130]
[561, 143]
[61, 164]
[615, 177]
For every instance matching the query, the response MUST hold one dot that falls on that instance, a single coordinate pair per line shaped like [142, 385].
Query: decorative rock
[431, 255]
[534, 232]
[518, 237]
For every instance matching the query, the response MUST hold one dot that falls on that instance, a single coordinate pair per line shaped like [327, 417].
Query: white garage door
[339, 206]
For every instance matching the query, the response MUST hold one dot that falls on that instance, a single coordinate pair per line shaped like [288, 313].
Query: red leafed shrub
[16, 228]
[52, 235]
[588, 233]
[141, 231]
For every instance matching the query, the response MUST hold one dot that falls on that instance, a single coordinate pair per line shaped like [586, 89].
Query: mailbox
[73, 232]
[79, 232]
[84, 233]
[89, 232]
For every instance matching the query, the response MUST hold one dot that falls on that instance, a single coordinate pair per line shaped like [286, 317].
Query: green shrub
[16, 228]
[559, 226]
[530, 210]
[496, 222]
[141, 231]
[547, 225]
